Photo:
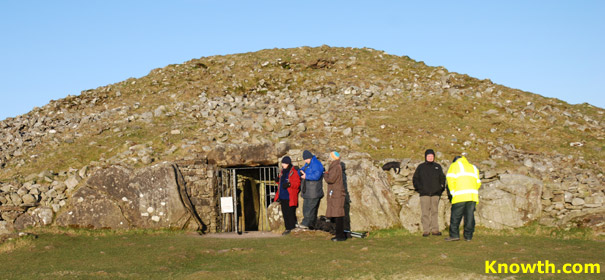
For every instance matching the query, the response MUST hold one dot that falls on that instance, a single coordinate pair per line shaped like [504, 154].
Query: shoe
[303, 227]
[335, 239]
[286, 232]
[425, 234]
[466, 239]
[436, 233]
[452, 238]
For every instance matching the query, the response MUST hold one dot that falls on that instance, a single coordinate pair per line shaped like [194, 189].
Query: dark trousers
[466, 210]
[340, 230]
[310, 207]
[347, 217]
[289, 214]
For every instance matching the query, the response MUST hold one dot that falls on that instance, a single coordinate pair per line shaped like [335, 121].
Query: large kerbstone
[91, 208]
[118, 197]
[373, 204]
[511, 202]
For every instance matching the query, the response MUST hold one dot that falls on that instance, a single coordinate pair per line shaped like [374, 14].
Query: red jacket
[294, 180]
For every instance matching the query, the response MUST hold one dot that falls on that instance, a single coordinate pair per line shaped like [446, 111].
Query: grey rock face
[71, 182]
[117, 197]
[231, 155]
[373, 203]
[275, 217]
[510, 202]
[90, 208]
[29, 199]
[6, 227]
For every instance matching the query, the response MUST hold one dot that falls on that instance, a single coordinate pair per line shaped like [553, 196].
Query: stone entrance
[245, 193]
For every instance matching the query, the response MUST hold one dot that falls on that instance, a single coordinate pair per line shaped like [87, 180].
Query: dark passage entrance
[245, 193]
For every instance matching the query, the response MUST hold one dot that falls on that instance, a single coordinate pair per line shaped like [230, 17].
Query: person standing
[429, 182]
[287, 193]
[312, 188]
[463, 184]
[336, 196]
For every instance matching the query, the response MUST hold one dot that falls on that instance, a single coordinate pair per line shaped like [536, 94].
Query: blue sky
[51, 49]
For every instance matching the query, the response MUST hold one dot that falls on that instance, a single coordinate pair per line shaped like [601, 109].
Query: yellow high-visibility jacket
[463, 181]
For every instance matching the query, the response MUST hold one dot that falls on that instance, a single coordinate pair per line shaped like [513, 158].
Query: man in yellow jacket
[463, 185]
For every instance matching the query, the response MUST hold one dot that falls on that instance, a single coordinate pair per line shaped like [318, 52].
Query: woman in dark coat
[336, 196]
[287, 193]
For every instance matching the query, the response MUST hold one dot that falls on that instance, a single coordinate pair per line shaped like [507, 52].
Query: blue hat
[335, 155]
[307, 155]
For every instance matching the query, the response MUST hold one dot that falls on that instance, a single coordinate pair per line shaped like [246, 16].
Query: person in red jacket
[287, 193]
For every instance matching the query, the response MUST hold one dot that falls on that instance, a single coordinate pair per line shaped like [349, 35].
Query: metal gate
[232, 195]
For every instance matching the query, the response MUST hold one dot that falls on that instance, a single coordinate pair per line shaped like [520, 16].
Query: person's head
[307, 156]
[455, 159]
[286, 162]
[429, 155]
[334, 155]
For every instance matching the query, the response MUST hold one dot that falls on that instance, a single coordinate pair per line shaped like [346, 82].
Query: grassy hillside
[413, 107]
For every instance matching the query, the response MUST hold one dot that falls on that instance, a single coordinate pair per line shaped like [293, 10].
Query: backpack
[324, 224]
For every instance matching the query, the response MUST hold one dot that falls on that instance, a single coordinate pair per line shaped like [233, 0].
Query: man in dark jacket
[311, 188]
[429, 182]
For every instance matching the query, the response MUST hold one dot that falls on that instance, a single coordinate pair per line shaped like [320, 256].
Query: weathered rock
[250, 155]
[373, 204]
[10, 215]
[117, 197]
[24, 221]
[28, 199]
[44, 215]
[274, 216]
[159, 111]
[283, 133]
[6, 227]
[547, 193]
[71, 182]
[510, 202]
[594, 221]
[16, 199]
[577, 201]
[347, 131]
[90, 208]
[5, 188]
[60, 187]
[83, 171]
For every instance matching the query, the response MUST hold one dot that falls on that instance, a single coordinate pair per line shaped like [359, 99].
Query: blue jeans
[460, 209]
[310, 207]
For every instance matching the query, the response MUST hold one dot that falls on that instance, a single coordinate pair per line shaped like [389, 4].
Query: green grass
[385, 254]
[413, 121]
